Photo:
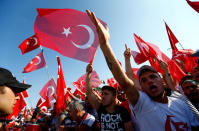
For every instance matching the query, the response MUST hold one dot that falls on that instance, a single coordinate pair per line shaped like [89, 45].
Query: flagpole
[46, 64]
[23, 99]
[168, 35]
[46, 71]
[181, 45]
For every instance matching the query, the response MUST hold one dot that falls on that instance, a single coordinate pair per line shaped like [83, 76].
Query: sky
[123, 17]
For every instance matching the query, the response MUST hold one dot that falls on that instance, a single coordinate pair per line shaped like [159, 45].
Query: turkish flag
[11, 126]
[20, 104]
[139, 58]
[67, 96]
[61, 85]
[184, 56]
[67, 31]
[29, 44]
[48, 90]
[113, 83]
[45, 103]
[194, 5]
[144, 49]
[36, 63]
[25, 93]
[78, 94]
[80, 83]
[40, 101]
[155, 54]
[173, 40]
[135, 70]
[25, 113]
[31, 110]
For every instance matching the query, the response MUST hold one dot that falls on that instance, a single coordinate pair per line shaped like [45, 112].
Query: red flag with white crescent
[183, 58]
[29, 44]
[49, 90]
[18, 107]
[139, 58]
[80, 83]
[40, 101]
[36, 63]
[79, 94]
[67, 31]
[155, 54]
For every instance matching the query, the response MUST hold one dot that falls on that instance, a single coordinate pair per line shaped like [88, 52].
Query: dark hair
[188, 76]
[109, 88]
[144, 71]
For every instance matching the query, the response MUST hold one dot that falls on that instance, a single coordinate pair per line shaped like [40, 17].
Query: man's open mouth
[153, 88]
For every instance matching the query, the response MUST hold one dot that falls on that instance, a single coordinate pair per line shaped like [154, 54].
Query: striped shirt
[175, 94]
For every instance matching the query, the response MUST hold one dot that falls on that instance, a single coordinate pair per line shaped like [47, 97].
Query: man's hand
[167, 77]
[89, 68]
[163, 66]
[127, 52]
[102, 31]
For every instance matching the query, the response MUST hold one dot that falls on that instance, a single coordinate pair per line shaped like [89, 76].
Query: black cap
[195, 54]
[7, 79]
[145, 68]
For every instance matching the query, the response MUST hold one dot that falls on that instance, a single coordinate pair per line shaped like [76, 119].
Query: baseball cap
[7, 79]
[145, 68]
[195, 54]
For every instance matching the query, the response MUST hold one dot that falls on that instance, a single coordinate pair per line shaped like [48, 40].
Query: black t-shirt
[113, 121]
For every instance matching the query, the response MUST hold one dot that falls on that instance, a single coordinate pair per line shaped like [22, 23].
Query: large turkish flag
[67, 31]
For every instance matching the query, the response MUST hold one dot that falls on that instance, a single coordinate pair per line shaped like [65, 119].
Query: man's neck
[161, 99]
[111, 107]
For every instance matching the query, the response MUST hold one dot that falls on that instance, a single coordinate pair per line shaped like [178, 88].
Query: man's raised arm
[129, 71]
[112, 62]
[93, 100]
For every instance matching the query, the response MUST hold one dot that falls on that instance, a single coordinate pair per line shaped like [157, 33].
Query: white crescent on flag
[90, 41]
[39, 60]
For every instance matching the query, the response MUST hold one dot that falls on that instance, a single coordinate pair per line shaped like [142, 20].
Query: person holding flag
[111, 115]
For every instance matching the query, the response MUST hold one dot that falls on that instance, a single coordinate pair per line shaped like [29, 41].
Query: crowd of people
[153, 102]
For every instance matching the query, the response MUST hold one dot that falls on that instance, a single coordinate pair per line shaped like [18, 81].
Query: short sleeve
[125, 115]
[144, 104]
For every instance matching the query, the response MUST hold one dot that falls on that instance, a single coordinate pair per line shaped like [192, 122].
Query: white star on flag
[66, 31]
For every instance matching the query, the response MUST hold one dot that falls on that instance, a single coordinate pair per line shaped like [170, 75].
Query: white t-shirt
[156, 116]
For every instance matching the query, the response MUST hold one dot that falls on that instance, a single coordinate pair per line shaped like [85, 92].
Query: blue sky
[143, 17]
